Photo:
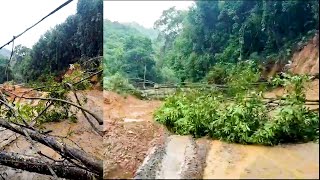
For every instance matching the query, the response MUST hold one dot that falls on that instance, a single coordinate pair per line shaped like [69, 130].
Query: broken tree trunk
[32, 164]
[91, 163]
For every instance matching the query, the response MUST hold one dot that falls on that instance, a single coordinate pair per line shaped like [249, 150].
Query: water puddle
[129, 120]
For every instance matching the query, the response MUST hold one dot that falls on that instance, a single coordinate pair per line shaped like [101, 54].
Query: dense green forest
[128, 50]
[77, 39]
[190, 43]
[3, 69]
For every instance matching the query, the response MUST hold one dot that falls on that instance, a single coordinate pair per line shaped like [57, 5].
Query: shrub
[217, 74]
[242, 76]
[244, 119]
[168, 75]
[118, 83]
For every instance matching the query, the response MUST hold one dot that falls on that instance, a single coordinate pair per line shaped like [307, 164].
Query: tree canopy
[191, 42]
[128, 51]
[79, 37]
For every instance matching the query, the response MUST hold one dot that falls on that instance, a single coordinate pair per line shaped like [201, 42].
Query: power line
[58, 8]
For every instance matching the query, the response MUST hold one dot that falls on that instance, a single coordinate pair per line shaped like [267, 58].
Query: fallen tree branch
[39, 152]
[32, 164]
[42, 87]
[277, 101]
[84, 113]
[93, 164]
[14, 112]
[100, 121]
[66, 137]
[26, 134]
[77, 158]
[96, 73]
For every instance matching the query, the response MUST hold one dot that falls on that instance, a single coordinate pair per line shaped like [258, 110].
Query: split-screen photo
[119, 89]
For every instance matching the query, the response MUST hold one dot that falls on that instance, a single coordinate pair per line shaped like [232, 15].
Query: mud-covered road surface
[182, 158]
[130, 133]
[140, 148]
[80, 132]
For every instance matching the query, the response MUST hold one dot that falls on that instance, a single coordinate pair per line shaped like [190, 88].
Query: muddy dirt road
[130, 133]
[138, 147]
[183, 157]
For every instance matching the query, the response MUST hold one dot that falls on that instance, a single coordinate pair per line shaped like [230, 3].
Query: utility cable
[57, 9]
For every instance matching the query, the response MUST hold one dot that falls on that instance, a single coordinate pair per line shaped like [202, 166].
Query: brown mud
[130, 133]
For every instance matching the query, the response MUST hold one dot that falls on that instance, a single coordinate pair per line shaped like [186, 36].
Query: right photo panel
[211, 89]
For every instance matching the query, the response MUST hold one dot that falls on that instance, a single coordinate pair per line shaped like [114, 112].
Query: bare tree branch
[99, 72]
[32, 164]
[83, 112]
[93, 164]
[78, 160]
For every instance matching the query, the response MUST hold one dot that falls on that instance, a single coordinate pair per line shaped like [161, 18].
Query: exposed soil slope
[306, 61]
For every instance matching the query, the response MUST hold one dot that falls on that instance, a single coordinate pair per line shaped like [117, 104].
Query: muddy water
[6, 137]
[234, 161]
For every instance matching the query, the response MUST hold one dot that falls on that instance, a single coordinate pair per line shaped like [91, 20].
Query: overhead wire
[52, 12]
[17, 36]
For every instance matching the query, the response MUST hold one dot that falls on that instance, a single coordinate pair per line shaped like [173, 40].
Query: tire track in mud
[180, 157]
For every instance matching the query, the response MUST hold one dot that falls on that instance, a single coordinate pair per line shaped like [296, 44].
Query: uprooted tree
[16, 116]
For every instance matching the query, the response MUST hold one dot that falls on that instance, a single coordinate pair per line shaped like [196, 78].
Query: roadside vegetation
[244, 116]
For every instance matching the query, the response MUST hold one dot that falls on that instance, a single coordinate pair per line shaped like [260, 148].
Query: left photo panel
[51, 100]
